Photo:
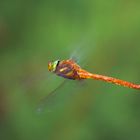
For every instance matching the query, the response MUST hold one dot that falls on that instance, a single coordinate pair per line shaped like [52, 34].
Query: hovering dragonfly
[69, 69]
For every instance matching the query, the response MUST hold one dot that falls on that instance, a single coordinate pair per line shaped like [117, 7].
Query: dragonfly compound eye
[52, 66]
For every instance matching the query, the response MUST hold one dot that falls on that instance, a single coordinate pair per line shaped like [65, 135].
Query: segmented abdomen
[84, 74]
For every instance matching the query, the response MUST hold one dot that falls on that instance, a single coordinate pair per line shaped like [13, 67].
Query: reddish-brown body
[70, 70]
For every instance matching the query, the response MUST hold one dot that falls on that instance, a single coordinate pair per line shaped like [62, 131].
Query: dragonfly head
[53, 65]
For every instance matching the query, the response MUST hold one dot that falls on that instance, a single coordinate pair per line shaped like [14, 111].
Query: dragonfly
[69, 69]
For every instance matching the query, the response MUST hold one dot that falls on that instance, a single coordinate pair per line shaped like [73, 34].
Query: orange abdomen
[85, 75]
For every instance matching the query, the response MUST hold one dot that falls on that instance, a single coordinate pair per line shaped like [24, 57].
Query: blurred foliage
[104, 35]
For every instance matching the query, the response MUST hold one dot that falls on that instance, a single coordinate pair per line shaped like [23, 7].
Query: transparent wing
[46, 100]
[79, 53]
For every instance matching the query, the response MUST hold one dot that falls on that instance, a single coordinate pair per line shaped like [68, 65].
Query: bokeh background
[105, 38]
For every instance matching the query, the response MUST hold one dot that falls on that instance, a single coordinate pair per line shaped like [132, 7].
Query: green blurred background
[104, 35]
